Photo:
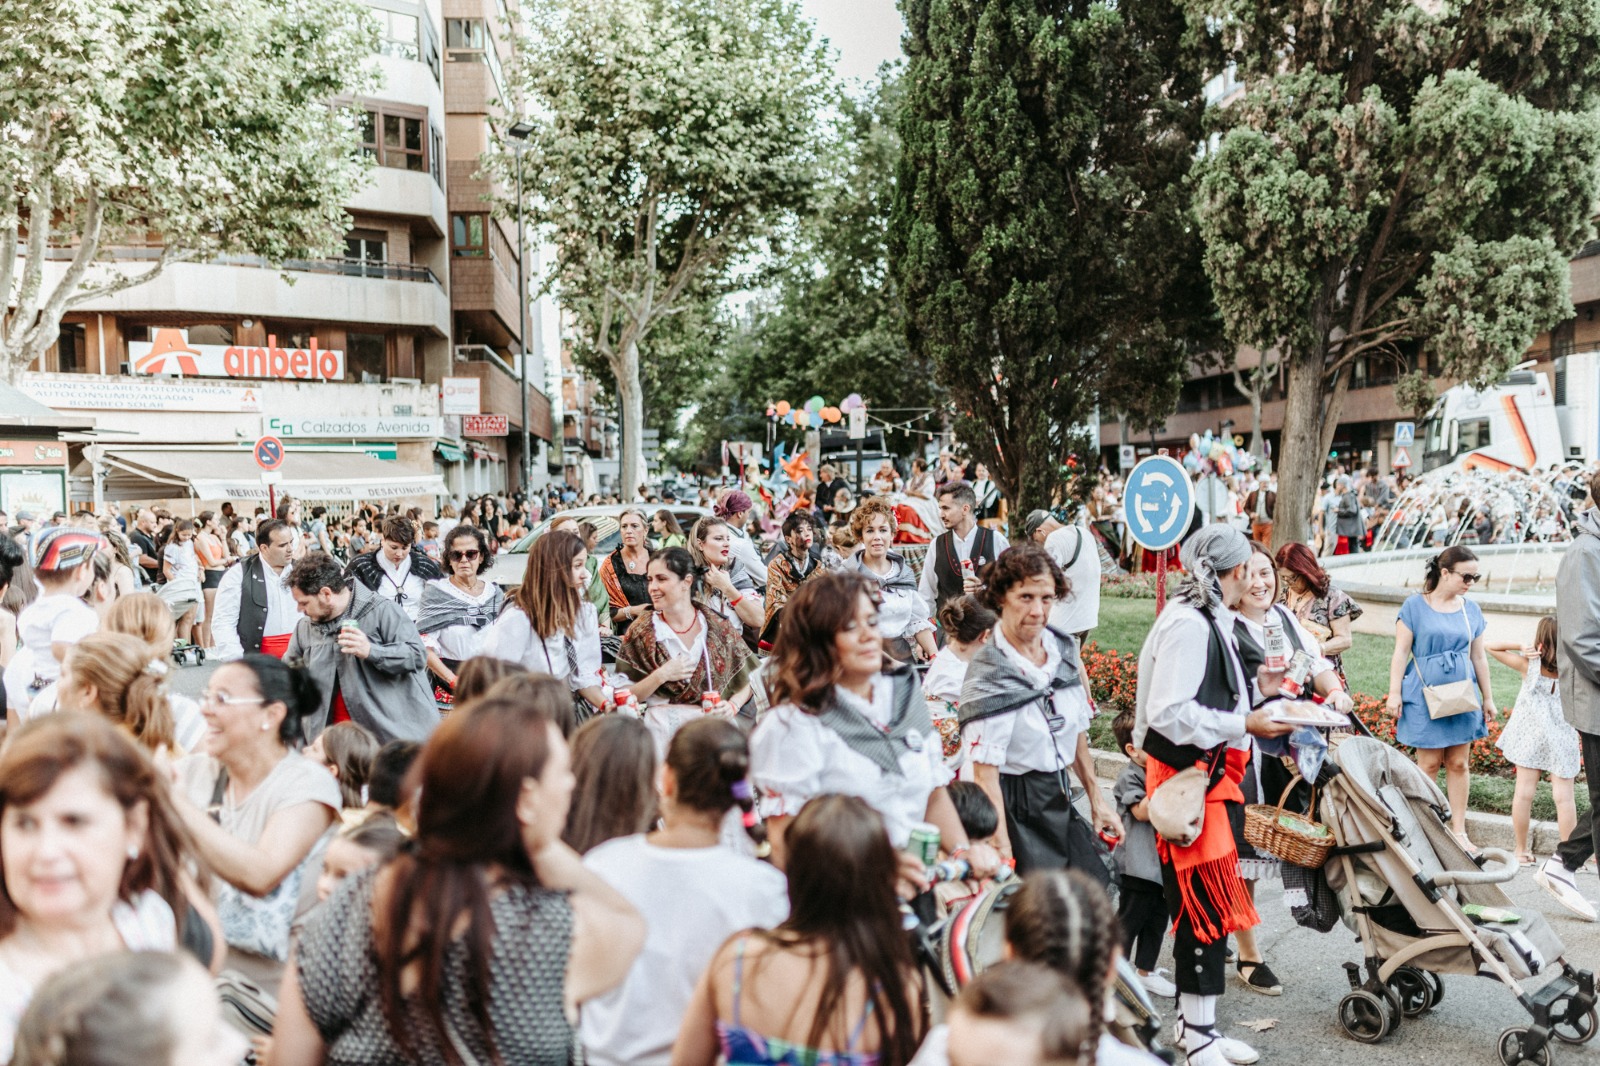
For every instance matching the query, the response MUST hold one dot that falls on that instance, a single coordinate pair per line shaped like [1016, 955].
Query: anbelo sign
[169, 352]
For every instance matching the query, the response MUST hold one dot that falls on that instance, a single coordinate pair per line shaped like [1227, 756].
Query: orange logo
[168, 342]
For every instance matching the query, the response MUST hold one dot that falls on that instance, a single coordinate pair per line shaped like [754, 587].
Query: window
[72, 350]
[430, 49]
[465, 33]
[398, 35]
[469, 41]
[1472, 435]
[393, 136]
[211, 334]
[364, 253]
[366, 357]
[436, 155]
[469, 236]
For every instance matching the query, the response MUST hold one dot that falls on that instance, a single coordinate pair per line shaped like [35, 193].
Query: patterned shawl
[441, 608]
[784, 579]
[994, 686]
[732, 663]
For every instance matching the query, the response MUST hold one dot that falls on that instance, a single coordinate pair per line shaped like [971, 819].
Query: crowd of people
[680, 802]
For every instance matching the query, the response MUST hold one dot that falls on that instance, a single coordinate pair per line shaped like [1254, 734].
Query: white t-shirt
[185, 564]
[794, 757]
[54, 618]
[1110, 1051]
[692, 900]
[1080, 609]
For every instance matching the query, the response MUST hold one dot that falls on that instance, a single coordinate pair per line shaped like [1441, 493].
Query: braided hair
[711, 761]
[1065, 920]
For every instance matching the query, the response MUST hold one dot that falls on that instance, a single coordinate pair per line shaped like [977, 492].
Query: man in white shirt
[263, 619]
[1073, 548]
[944, 575]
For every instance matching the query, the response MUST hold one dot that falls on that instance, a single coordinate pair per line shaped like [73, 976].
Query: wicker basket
[1264, 828]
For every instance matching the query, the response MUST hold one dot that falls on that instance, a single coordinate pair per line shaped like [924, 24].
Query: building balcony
[385, 295]
[498, 388]
[398, 193]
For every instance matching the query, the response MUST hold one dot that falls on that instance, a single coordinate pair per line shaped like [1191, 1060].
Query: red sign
[169, 352]
[485, 425]
[269, 453]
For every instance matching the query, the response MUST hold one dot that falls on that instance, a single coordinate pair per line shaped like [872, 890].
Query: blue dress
[1442, 644]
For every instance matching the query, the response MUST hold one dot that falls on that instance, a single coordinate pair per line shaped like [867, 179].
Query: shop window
[211, 334]
[292, 337]
[469, 236]
[366, 357]
[364, 253]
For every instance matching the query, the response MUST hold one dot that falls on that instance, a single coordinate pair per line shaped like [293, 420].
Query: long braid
[1065, 920]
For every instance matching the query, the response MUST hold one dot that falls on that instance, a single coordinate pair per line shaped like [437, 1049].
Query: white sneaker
[1213, 1045]
[1156, 983]
[1555, 879]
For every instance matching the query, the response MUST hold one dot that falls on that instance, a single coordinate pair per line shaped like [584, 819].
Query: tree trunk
[1299, 457]
[1255, 417]
[630, 401]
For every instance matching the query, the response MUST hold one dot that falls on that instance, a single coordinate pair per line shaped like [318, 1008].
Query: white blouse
[1021, 741]
[1172, 664]
[794, 757]
[511, 637]
[463, 642]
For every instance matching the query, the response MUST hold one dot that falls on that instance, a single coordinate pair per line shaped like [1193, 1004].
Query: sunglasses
[460, 557]
[1468, 578]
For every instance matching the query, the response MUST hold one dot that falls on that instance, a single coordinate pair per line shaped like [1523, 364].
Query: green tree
[1040, 232]
[671, 138]
[1396, 174]
[832, 322]
[203, 124]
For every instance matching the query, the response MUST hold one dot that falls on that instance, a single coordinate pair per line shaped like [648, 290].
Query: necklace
[631, 567]
[694, 620]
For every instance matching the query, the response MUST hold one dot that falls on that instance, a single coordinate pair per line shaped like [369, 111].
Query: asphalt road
[190, 680]
[1463, 1029]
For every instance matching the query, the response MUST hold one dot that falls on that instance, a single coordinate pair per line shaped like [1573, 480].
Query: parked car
[507, 568]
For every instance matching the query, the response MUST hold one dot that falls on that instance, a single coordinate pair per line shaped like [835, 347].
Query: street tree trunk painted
[630, 404]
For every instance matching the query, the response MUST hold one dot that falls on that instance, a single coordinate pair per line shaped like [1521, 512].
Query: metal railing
[359, 268]
[482, 353]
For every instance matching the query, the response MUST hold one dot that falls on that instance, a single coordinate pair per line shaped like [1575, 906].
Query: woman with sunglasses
[1439, 643]
[455, 612]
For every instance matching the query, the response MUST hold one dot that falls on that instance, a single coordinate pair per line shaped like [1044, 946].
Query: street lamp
[519, 132]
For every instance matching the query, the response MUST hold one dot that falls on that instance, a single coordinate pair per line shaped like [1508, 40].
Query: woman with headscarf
[1193, 710]
[734, 509]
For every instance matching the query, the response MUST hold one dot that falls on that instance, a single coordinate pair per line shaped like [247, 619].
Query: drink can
[709, 701]
[966, 564]
[349, 623]
[1299, 674]
[627, 702]
[924, 843]
[1276, 642]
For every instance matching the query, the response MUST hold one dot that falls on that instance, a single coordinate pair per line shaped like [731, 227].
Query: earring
[133, 852]
[265, 726]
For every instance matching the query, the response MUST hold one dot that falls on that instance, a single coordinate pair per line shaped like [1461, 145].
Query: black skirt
[1047, 832]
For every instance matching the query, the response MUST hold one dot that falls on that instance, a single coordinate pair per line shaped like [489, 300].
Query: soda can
[349, 623]
[627, 702]
[924, 843]
[1299, 674]
[709, 701]
[1276, 642]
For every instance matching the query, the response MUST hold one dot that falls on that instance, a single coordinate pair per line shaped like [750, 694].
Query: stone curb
[1484, 829]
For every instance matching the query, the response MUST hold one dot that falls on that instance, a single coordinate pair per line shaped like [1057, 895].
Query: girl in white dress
[1538, 739]
[967, 625]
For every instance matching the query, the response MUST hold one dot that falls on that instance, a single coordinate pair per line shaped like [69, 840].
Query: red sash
[275, 646]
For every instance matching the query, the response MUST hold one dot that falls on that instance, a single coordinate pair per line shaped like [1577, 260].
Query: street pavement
[1461, 1031]
[190, 680]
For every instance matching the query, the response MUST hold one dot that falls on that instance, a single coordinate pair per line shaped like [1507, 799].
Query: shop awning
[449, 452]
[136, 474]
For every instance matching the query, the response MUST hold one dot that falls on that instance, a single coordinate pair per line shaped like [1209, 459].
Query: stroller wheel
[1513, 1049]
[1366, 1016]
[1435, 987]
[1414, 991]
[1569, 1027]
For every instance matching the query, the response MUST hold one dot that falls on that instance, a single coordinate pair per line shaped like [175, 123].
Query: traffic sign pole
[1161, 581]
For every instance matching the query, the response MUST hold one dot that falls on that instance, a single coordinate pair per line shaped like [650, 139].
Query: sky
[864, 33]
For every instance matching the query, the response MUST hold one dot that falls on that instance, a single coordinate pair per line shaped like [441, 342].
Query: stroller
[1421, 907]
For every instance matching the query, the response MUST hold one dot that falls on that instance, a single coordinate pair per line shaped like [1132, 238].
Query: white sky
[864, 33]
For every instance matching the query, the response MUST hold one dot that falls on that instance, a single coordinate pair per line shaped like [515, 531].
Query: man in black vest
[254, 611]
[961, 551]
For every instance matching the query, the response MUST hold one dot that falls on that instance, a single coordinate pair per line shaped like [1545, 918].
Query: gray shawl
[910, 727]
[900, 576]
[994, 686]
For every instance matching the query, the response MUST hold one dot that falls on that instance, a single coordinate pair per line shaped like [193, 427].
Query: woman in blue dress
[1441, 632]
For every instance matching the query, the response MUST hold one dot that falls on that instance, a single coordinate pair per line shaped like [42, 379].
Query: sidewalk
[1484, 830]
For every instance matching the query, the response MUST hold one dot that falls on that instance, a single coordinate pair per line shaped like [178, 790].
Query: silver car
[507, 568]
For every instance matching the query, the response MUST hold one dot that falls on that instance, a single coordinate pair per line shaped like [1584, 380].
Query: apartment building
[346, 362]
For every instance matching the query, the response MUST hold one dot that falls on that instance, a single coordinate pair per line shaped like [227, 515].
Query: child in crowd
[58, 619]
[386, 787]
[430, 540]
[347, 750]
[370, 842]
[1143, 909]
[980, 821]
[1538, 740]
[966, 625]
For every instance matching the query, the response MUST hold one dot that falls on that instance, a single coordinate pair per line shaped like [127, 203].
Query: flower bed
[1131, 586]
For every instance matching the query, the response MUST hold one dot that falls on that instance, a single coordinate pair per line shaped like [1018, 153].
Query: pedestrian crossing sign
[1402, 458]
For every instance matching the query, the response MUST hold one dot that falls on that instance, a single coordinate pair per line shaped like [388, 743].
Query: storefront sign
[485, 425]
[460, 396]
[353, 426]
[89, 392]
[43, 494]
[169, 352]
[32, 453]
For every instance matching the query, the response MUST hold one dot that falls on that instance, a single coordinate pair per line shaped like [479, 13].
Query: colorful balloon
[830, 414]
[783, 408]
[851, 402]
[816, 420]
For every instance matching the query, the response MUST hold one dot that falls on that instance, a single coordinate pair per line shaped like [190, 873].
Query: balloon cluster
[815, 411]
[1216, 455]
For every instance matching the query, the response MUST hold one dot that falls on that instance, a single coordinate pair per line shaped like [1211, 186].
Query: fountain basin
[1518, 578]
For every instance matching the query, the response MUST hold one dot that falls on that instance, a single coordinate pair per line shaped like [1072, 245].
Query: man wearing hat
[1188, 717]
[1074, 550]
[957, 555]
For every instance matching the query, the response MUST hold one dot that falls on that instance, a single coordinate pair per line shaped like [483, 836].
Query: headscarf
[732, 503]
[1211, 550]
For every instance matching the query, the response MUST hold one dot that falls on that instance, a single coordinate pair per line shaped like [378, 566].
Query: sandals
[1468, 846]
[1258, 977]
[1525, 858]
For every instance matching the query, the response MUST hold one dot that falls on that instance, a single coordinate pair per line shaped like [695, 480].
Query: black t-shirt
[149, 560]
[826, 491]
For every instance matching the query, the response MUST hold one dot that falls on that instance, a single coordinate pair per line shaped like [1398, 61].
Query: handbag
[1453, 697]
[257, 924]
[246, 1005]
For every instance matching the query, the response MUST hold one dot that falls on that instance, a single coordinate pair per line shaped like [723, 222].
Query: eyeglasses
[229, 701]
[460, 557]
[1468, 578]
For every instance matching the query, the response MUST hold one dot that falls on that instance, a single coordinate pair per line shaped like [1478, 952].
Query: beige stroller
[1417, 903]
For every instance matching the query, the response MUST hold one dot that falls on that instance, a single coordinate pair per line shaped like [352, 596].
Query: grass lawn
[1124, 623]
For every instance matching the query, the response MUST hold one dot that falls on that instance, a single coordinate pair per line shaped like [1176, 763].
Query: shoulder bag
[1453, 697]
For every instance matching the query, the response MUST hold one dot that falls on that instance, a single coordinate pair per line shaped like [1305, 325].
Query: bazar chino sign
[485, 425]
[169, 352]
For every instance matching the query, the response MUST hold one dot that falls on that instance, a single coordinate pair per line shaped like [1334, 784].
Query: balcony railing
[482, 353]
[358, 268]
